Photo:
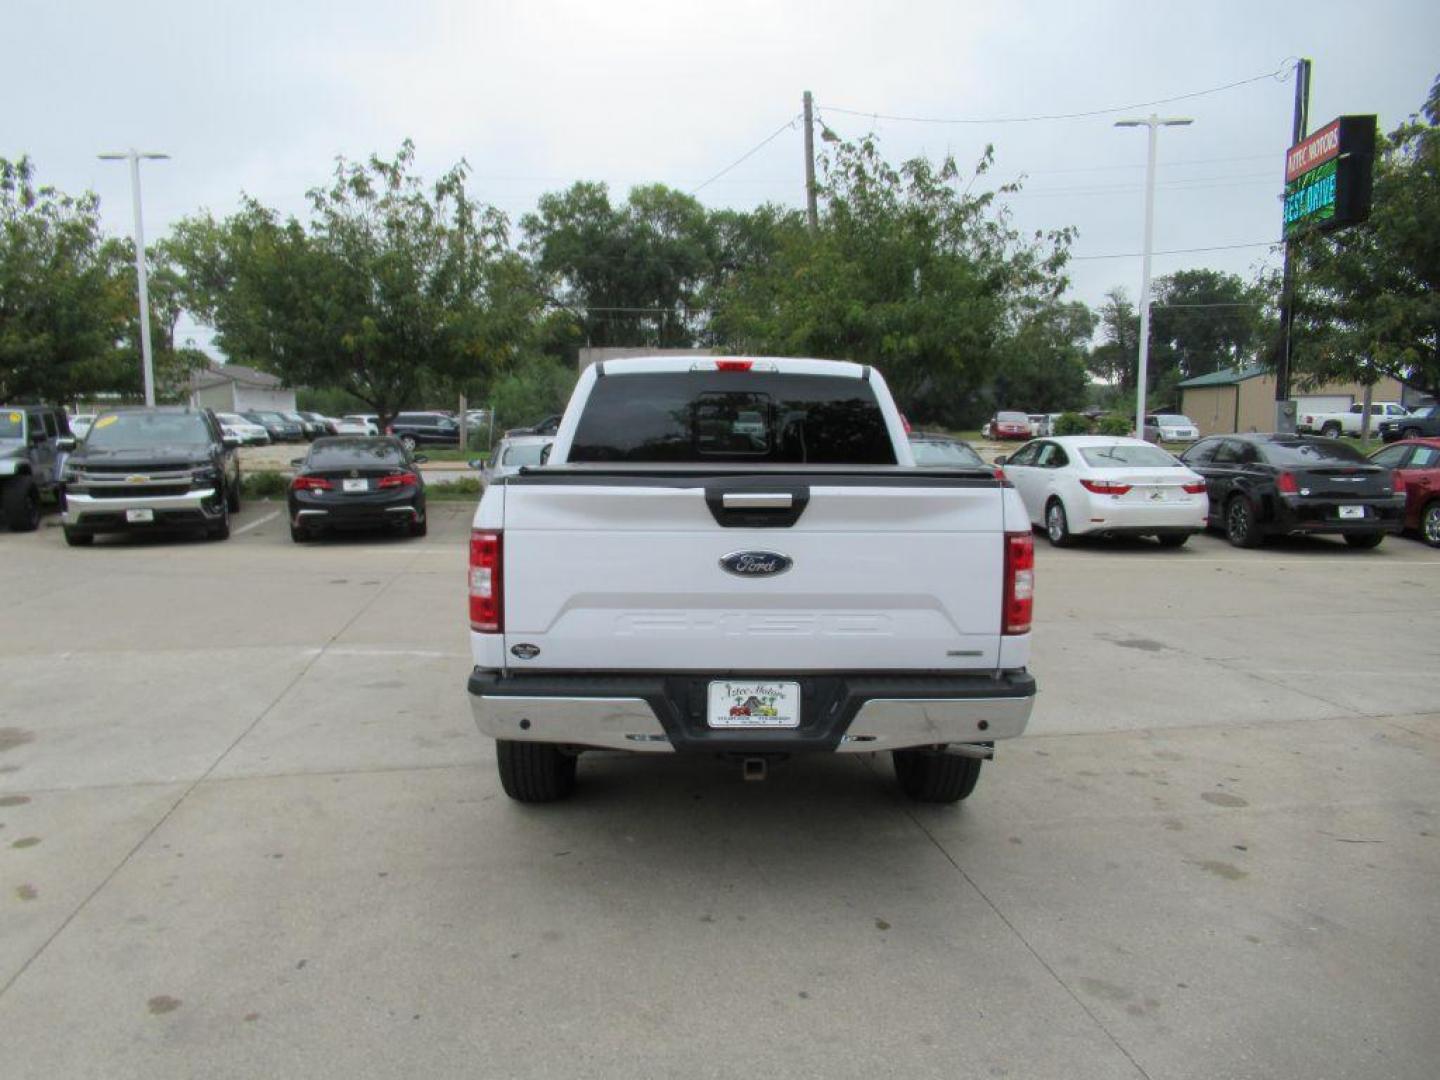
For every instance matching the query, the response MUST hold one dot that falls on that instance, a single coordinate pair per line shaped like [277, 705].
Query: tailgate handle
[781, 500]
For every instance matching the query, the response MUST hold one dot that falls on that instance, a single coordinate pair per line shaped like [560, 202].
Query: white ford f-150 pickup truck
[739, 557]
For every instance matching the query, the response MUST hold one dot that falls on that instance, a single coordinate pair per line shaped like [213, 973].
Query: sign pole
[1284, 416]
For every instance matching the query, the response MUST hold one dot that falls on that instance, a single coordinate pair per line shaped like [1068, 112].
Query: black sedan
[351, 482]
[1269, 485]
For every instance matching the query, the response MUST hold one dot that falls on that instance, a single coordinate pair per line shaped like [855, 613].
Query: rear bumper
[665, 712]
[1301, 515]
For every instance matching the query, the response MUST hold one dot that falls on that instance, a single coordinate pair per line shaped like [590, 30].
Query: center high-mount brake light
[1105, 487]
[734, 365]
[487, 596]
[1019, 601]
[311, 483]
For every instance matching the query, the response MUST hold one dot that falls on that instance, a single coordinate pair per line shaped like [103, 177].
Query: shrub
[1071, 423]
[1115, 425]
[264, 485]
[461, 487]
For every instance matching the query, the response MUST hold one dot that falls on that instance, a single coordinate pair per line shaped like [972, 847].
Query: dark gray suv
[30, 459]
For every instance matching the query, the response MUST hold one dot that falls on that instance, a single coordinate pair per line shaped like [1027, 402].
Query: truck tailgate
[886, 575]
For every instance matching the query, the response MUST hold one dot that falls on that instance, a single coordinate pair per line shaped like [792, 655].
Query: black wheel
[232, 496]
[22, 505]
[1173, 540]
[408, 441]
[419, 526]
[935, 776]
[1331, 430]
[534, 772]
[1410, 433]
[220, 530]
[300, 534]
[76, 538]
[1430, 523]
[1364, 540]
[1241, 528]
[1057, 525]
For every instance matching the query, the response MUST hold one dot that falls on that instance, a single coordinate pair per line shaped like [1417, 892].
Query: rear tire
[1057, 525]
[408, 441]
[1241, 528]
[76, 538]
[1364, 540]
[22, 505]
[1173, 540]
[935, 776]
[1331, 430]
[1410, 433]
[300, 535]
[533, 772]
[221, 529]
[1430, 523]
[232, 496]
[419, 526]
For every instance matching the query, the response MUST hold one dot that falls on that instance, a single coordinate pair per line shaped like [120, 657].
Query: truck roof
[785, 365]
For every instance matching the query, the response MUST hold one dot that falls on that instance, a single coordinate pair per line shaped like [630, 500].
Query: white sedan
[1075, 485]
[247, 431]
[356, 424]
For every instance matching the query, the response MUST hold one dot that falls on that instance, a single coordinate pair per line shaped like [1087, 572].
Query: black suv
[142, 469]
[1265, 485]
[1414, 426]
[416, 428]
[30, 460]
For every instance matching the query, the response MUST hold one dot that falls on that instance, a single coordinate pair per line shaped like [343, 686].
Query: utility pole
[147, 360]
[1154, 123]
[810, 207]
[1284, 419]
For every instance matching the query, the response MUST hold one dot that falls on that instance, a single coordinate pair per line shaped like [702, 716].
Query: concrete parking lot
[247, 828]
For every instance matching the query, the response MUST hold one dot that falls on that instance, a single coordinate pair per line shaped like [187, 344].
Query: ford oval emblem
[756, 563]
[525, 651]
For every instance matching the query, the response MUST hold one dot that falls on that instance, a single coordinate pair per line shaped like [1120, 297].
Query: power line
[749, 153]
[1178, 251]
[1278, 75]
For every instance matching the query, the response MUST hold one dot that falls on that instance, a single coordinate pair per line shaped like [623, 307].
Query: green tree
[536, 389]
[62, 309]
[1043, 360]
[390, 286]
[1203, 321]
[906, 271]
[630, 274]
[1113, 360]
[1368, 296]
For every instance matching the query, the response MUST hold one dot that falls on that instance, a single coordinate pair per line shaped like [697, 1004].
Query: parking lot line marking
[254, 524]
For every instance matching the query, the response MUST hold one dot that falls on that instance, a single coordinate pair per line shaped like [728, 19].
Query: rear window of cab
[703, 417]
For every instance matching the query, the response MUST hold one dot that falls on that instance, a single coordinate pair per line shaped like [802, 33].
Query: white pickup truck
[739, 557]
[1332, 425]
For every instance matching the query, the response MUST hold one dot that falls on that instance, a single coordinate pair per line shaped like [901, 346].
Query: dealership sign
[1328, 177]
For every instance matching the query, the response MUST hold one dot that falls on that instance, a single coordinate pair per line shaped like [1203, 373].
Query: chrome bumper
[629, 723]
[78, 506]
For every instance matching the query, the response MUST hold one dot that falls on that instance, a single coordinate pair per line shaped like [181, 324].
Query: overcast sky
[261, 96]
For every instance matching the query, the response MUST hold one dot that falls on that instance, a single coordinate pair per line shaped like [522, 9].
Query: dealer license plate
[754, 704]
[139, 517]
[1352, 511]
[356, 485]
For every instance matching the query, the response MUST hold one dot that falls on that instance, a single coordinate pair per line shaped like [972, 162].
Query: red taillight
[1197, 488]
[1105, 487]
[311, 483]
[487, 597]
[404, 479]
[1000, 474]
[389, 429]
[1398, 482]
[734, 365]
[905, 423]
[1019, 582]
[1286, 483]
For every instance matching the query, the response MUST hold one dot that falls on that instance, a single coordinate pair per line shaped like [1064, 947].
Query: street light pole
[143, 285]
[1154, 123]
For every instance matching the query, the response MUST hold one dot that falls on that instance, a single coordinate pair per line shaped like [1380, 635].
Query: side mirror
[1001, 459]
[477, 464]
[231, 442]
[545, 453]
[65, 442]
[419, 459]
[297, 462]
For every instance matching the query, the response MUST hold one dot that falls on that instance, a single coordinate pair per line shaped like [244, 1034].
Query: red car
[1010, 425]
[1417, 463]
